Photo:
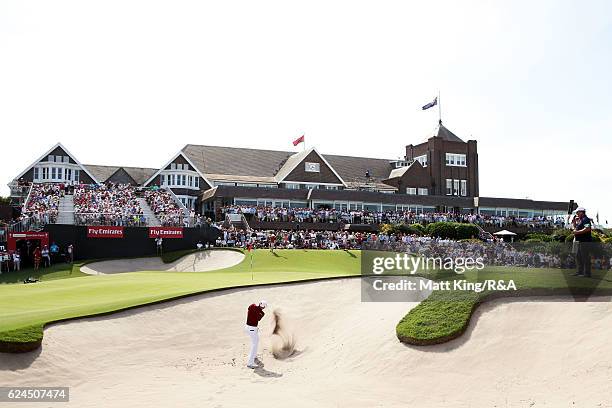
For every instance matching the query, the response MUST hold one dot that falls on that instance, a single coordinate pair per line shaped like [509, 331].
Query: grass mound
[445, 315]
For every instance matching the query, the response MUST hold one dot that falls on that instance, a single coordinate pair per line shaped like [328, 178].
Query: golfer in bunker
[254, 314]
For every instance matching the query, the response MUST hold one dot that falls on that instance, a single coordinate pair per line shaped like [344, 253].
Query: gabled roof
[103, 173]
[353, 170]
[185, 156]
[442, 132]
[222, 163]
[236, 161]
[67, 152]
[400, 171]
[291, 163]
[294, 160]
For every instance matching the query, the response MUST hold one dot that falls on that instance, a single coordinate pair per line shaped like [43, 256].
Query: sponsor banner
[29, 235]
[166, 232]
[104, 232]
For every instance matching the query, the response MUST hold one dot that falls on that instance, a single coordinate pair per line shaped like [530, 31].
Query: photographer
[582, 238]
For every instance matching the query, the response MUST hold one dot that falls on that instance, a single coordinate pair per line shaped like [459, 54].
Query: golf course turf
[26, 309]
[67, 293]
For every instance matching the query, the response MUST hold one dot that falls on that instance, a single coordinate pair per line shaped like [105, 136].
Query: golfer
[254, 314]
[582, 238]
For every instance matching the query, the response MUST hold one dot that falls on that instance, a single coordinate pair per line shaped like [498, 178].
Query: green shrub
[441, 230]
[561, 234]
[452, 230]
[538, 237]
[466, 231]
[412, 229]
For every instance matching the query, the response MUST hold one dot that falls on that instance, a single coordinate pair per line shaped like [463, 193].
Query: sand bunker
[191, 353]
[201, 261]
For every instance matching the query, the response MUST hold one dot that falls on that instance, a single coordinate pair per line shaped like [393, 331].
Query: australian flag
[430, 104]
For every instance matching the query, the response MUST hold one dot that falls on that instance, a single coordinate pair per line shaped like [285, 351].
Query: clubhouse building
[438, 175]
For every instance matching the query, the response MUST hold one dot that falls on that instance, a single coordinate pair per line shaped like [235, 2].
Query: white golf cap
[580, 209]
[263, 303]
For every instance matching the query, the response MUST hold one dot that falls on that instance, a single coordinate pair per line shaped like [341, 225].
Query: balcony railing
[125, 220]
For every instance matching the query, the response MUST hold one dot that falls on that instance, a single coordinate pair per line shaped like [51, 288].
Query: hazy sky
[131, 82]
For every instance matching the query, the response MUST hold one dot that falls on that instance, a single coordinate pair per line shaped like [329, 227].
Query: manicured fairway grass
[56, 271]
[24, 309]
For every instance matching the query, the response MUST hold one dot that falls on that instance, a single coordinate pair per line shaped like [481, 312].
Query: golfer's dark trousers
[583, 258]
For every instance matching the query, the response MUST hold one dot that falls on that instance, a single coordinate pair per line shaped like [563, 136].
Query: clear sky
[131, 82]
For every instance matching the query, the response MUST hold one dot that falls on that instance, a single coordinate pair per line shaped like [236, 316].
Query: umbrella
[504, 233]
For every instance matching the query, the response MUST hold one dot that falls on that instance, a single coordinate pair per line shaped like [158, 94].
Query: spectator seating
[107, 204]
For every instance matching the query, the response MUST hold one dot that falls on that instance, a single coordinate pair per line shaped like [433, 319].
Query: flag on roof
[298, 140]
[430, 104]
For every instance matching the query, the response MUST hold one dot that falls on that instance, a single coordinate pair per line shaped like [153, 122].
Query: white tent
[504, 233]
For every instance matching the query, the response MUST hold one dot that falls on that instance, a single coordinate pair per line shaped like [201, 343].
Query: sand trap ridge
[201, 261]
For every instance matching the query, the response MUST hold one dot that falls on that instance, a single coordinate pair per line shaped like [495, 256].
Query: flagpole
[439, 108]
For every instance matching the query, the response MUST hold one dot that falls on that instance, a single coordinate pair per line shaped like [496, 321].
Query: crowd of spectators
[107, 204]
[495, 253]
[165, 208]
[331, 215]
[42, 205]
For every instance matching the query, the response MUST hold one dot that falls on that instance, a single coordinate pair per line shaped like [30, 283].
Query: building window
[312, 186]
[455, 159]
[464, 188]
[449, 186]
[331, 187]
[292, 186]
[422, 159]
[312, 167]
[423, 191]
[411, 190]
[77, 175]
[456, 187]
[36, 171]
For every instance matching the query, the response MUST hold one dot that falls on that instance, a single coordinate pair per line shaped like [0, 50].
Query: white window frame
[411, 190]
[449, 186]
[464, 188]
[422, 159]
[456, 160]
[423, 191]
